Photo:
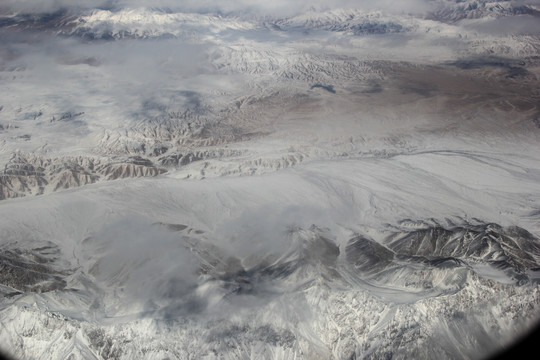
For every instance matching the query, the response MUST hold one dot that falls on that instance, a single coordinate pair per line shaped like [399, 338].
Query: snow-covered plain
[318, 184]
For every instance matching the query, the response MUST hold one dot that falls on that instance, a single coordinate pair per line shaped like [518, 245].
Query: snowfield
[324, 183]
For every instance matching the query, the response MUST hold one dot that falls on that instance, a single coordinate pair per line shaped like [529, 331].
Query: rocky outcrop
[30, 270]
[505, 248]
[33, 175]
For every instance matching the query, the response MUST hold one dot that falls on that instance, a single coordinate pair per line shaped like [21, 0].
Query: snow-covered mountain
[482, 9]
[328, 182]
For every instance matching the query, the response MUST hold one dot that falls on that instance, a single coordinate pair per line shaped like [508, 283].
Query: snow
[198, 192]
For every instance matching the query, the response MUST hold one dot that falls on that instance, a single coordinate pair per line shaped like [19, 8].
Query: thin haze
[149, 264]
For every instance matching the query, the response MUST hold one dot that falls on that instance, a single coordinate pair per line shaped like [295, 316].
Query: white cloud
[264, 230]
[260, 7]
[149, 263]
[46, 6]
[515, 25]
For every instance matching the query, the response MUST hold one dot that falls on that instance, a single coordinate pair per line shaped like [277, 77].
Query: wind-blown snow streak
[312, 183]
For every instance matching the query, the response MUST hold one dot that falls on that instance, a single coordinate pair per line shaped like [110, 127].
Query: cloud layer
[261, 7]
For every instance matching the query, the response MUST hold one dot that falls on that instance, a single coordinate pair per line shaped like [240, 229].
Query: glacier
[327, 182]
